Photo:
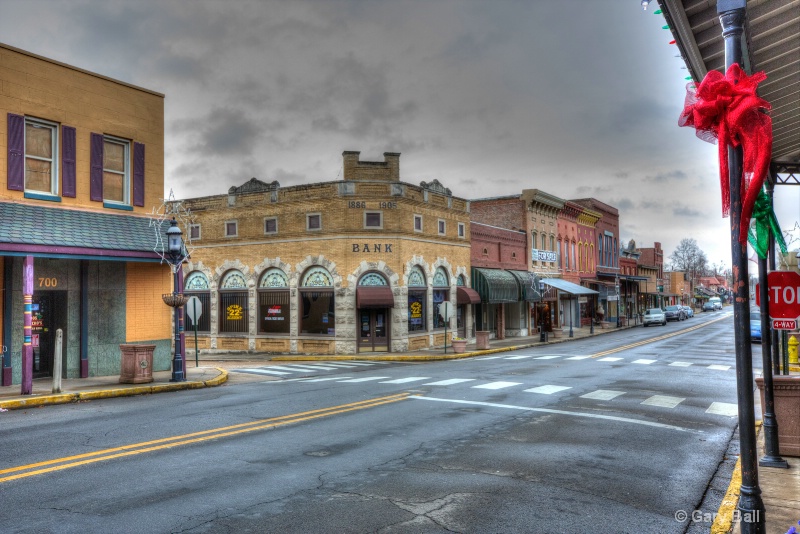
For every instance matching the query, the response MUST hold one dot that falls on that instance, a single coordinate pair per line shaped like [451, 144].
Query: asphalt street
[619, 433]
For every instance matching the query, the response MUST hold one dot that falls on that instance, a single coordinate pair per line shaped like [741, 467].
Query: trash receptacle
[482, 339]
[136, 364]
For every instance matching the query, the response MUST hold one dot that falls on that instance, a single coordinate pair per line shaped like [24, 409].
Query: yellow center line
[654, 339]
[195, 437]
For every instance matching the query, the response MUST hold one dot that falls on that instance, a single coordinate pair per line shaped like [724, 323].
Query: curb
[66, 398]
[723, 522]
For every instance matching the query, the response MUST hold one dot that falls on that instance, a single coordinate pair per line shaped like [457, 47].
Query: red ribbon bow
[726, 109]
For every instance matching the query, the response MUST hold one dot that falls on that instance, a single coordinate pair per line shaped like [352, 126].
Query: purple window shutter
[68, 161]
[138, 174]
[16, 152]
[96, 172]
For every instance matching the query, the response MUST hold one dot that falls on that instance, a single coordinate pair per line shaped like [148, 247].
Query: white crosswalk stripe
[644, 362]
[327, 378]
[603, 394]
[723, 408]
[365, 379]
[546, 357]
[408, 379]
[578, 358]
[663, 401]
[719, 367]
[609, 359]
[547, 389]
[449, 382]
[262, 371]
[519, 357]
[681, 364]
[497, 385]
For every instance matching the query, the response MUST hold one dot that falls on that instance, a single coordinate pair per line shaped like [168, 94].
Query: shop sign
[235, 312]
[583, 300]
[416, 310]
[612, 298]
[274, 313]
[374, 247]
[543, 255]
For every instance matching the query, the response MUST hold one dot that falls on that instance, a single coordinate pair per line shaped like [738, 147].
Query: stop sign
[784, 294]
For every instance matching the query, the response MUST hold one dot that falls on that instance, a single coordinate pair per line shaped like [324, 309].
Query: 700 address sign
[48, 282]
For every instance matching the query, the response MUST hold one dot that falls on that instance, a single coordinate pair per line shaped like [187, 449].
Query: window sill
[43, 196]
[115, 206]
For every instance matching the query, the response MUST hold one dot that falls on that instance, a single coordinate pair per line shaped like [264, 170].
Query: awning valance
[568, 287]
[495, 286]
[467, 295]
[374, 297]
[528, 285]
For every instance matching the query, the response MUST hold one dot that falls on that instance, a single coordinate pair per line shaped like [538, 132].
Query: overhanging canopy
[528, 285]
[467, 295]
[495, 286]
[568, 287]
[374, 297]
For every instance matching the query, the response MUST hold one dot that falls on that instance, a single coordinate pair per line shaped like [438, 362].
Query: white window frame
[199, 232]
[373, 212]
[54, 141]
[126, 172]
[266, 232]
[421, 227]
[308, 218]
[235, 222]
[442, 227]
[462, 231]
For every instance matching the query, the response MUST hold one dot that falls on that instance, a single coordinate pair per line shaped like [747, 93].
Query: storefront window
[196, 285]
[417, 299]
[441, 292]
[233, 315]
[273, 302]
[317, 309]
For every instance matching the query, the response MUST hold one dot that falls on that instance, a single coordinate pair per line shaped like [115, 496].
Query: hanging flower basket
[174, 300]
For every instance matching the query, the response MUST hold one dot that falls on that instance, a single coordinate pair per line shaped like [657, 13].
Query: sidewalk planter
[786, 390]
[482, 339]
[459, 345]
[136, 365]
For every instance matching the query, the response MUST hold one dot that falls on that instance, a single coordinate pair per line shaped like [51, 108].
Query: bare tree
[688, 258]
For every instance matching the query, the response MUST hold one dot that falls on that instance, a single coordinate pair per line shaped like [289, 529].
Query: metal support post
[177, 361]
[732, 15]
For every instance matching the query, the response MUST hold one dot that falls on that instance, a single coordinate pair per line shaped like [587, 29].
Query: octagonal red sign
[784, 295]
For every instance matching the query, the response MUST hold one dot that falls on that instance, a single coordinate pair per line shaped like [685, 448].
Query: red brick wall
[506, 212]
[505, 249]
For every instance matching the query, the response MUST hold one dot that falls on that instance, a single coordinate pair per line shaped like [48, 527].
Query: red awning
[374, 297]
[467, 295]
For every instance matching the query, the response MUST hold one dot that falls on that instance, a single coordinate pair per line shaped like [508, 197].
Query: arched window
[441, 294]
[317, 310]
[558, 255]
[196, 285]
[574, 261]
[273, 302]
[233, 303]
[600, 249]
[417, 300]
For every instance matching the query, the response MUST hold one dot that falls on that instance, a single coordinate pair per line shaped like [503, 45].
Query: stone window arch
[441, 294]
[196, 285]
[317, 309]
[417, 300]
[233, 303]
[273, 302]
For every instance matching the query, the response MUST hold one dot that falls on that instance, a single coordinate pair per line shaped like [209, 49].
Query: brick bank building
[362, 264]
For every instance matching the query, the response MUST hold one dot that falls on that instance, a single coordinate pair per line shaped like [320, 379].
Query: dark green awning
[528, 285]
[495, 286]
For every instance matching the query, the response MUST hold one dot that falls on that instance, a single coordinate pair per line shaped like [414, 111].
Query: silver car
[654, 316]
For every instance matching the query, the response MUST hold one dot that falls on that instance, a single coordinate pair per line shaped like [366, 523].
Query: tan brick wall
[148, 318]
[41, 88]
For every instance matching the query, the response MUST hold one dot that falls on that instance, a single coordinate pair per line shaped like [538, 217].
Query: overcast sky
[579, 98]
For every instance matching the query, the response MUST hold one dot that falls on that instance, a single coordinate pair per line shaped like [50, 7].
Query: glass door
[373, 330]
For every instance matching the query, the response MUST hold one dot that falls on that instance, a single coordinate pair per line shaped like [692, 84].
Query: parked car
[755, 330]
[674, 313]
[717, 302]
[689, 311]
[708, 306]
[654, 316]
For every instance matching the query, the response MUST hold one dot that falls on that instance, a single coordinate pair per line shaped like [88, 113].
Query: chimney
[350, 158]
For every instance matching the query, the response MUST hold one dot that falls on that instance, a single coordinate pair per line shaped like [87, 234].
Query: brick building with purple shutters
[82, 158]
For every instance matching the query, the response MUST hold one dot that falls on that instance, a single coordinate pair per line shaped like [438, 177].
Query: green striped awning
[495, 286]
[528, 285]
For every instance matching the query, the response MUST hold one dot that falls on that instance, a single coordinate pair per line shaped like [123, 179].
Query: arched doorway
[373, 301]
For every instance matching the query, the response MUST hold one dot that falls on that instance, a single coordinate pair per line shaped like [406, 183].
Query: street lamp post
[174, 255]
[616, 287]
